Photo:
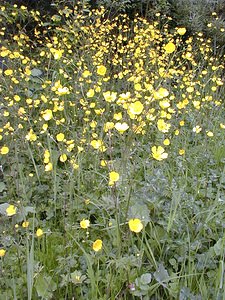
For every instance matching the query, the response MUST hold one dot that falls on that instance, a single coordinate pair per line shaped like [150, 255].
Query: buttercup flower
[39, 232]
[97, 245]
[84, 224]
[2, 252]
[135, 225]
[159, 153]
[11, 210]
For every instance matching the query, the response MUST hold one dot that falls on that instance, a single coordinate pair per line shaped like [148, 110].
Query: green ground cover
[112, 154]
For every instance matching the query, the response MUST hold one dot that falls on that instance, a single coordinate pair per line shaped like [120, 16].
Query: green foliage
[112, 156]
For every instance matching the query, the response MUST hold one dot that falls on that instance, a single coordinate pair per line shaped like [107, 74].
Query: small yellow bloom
[11, 210]
[135, 225]
[4, 150]
[60, 137]
[170, 47]
[63, 157]
[110, 96]
[90, 93]
[101, 70]
[8, 72]
[2, 252]
[113, 177]
[39, 232]
[84, 224]
[159, 153]
[25, 224]
[47, 115]
[97, 245]
[197, 129]
[210, 133]
[166, 142]
[136, 108]
[181, 30]
[181, 151]
[121, 127]
[48, 167]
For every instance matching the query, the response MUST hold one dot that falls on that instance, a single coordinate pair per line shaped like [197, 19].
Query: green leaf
[146, 278]
[36, 72]
[2, 187]
[3, 208]
[45, 286]
[139, 211]
[161, 275]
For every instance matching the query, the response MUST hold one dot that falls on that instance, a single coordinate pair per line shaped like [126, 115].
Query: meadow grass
[112, 157]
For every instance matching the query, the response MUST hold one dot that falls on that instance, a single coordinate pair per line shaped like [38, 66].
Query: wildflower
[47, 114]
[11, 210]
[161, 93]
[39, 232]
[8, 72]
[210, 133]
[166, 142]
[84, 224]
[113, 177]
[163, 126]
[90, 93]
[181, 152]
[197, 129]
[25, 224]
[2, 252]
[101, 70]
[136, 108]
[181, 30]
[121, 127]
[170, 47]
[63, 157]
[135, 225]
[4, 150]
[159, 153]
[97, 245]
[60, 137]
[48, 167]
[86, 73]
[31, 136]
[110, 96]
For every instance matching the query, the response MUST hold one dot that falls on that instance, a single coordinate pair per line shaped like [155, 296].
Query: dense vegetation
[112, 154]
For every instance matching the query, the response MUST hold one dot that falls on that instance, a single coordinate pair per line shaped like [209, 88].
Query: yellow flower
[47, 115]
[135, 225]
[181, 151]
[86, 73]
[109, 96]
[8, 72]
[31, 136]
[4, 150]
[121, 127]
[170, 47]
[11, 210]
[101, 70]
[84, 224]
[39, 232]
[166, 142]
[25, 224]
[181, 30]
[161, 93]
[97, 245]
[136, 108]
[60, 137]
[159, 153]
[2, 252]
[114, 176]
[210, 133]
[48, 167]
[63, 157]
[163, 126]
[197, 129]
[90, 93]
